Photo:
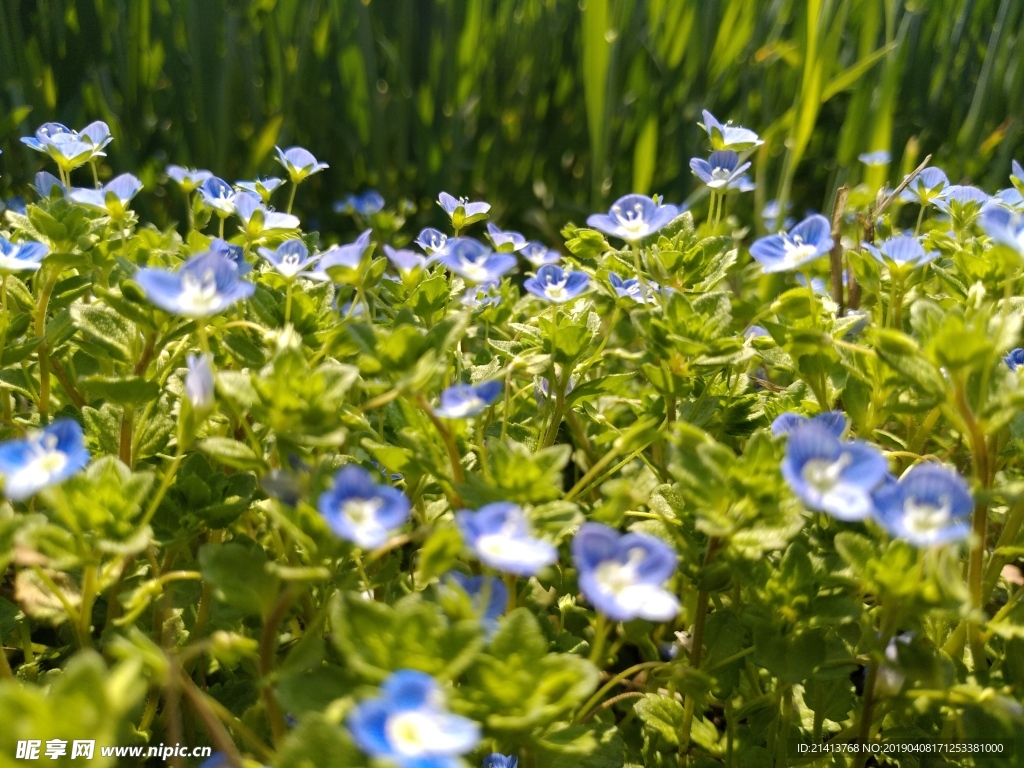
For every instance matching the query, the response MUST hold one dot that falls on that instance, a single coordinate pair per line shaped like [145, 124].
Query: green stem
[920, 218]
[221, 234]
[268, 638]
[44, 358]
[697, 646]
[601, 630]
[88, 598]
[288, 303]
[162, 490]
[5, 666]
[291, 197]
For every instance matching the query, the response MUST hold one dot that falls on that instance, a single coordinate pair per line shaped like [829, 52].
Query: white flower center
[412, 733]
[199, 295]
[632, 221]
[797, 250]
[44, 462]
[823, 474]
[361, 511]
[474, 271]
[290, 265]
[924, 518]
[615, 577]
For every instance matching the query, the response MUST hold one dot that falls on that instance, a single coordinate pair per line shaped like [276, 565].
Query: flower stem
[44, 358]
[278, 726]
[601, 630]
[291, 197]
[288, 303]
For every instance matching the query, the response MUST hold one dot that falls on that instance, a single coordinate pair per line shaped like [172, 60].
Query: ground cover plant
[666, 494]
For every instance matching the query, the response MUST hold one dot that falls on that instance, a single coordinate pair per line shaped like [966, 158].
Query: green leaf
[239, 575]
[105, 328]
[231, 452]
[130, 390]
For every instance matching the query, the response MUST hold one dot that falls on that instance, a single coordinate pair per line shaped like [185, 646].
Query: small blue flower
[542, 389]
[464, 400]
[623, 575]
[488, 595]
[807, 241]
[189, 179]
[539, 254]
[234, 252]
[405, 260]
[63, 145]
[98, 135]
[112, 198]
[346, 257]
[633, 217]
[1017, 176]
[461, 211]
[218, 195]
[818, 284]
[728, 136]
[432, 241]
[199, 385]
[299, 163]
[44, 458]
[1008, 198]
[832, 475]
[17, 203]
[409, 727]
[629, 289]
[495, 760]
[772, 214]
[901, 251]
[1005, 227]
[263, 187]
[21, 257]
[557, 285]
[931, 504]
[834, 421]
[925, 187]
[961, 200]
[206, 284]
[499, 534]
[878, 157]
[756, 332]
[360, 510]
[1015, 358]
[475, 262]
[722, 172]
[483, 295]
[504, 241]
[257, 219]
[291, 259]
[364, 204]
[216, 760]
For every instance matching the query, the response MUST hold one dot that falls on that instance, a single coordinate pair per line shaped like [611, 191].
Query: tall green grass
[546, 107]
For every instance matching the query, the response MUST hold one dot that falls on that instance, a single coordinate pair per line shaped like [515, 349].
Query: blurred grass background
[546, 108]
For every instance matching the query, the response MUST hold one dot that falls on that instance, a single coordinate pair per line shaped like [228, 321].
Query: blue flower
[97, 134]
[901, 251]
[834, 421]
[557, 285]
[474, 261]
[461, 211]
[539, 254]
[464, 400]
[542, 389]
[234, 252]
[818, 284]
[405, 260]
[722, 172]
[257, 219]
[499, 534]
[728, 136]
[832, 475]
[409, 727]
[483, 295]
[878, 157]
[291, 259]
[925, 187]
[623, 576]
[189, 179]
[807, 241]
[263, 187]
[112, 198]
[432, 241]
[633, 217]
[17, 203]
[199, 386]
[488, 595]
[494, 760]
[46, 182]
[299, 163]
[629, 289]
[360, 510]
[504, 241]
[63, 145]
[1015, 358]
[364, 204]
[218, 195]
[206, 284]
[44, 458]
[757, 332]
[772, 214]
[961, 200]
[1005, 227]
[342, 257]
[931, 504]
[1017, 176]
[1008, 198]
[21, 257]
